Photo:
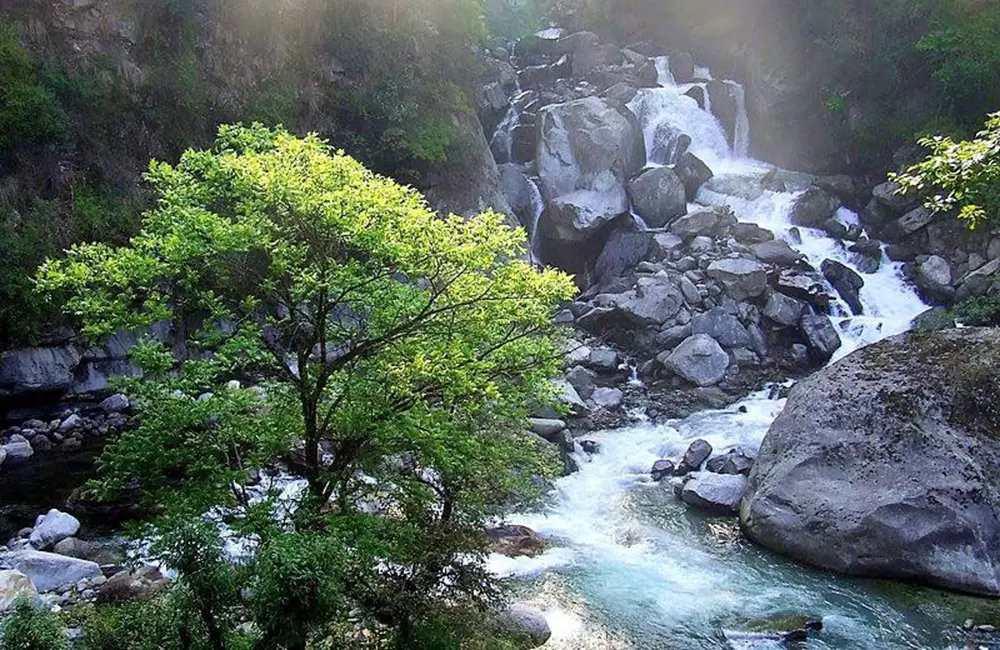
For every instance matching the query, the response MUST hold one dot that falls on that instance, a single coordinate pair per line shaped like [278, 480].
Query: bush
[31, 628]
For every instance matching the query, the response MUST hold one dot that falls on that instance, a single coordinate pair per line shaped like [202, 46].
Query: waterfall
[741, 139]
[537, 207]
[629, 566]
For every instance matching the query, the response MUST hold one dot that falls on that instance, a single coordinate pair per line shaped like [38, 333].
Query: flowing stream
[631, 567]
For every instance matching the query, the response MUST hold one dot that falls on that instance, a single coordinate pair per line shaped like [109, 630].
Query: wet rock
[582, 380]
[624, 249]
[846, 281]
[515, 541]
[668, 146]
[697, 93]
[696, 454]
[590, 446]
[814, 208]
[658, 196]
[525, 625]
[662, 469]
[697, 224]
[699, 359]
[724, 97]
[776, 252]
[115, 404]
[751, 233]
[741, 278]
[838, 485]
[804, 287]
[715, 493]
[693, 173]
[820, 335]
[681, 65]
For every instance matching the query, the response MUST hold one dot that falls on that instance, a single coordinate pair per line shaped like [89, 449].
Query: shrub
[32, 628]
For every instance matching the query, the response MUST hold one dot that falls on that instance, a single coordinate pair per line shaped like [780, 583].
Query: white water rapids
[630, 567]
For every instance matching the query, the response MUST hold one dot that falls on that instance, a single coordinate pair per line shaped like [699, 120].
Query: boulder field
[887, 464]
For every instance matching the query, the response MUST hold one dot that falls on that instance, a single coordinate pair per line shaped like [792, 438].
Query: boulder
[518, 192]
[693, 173]
[588, 144]
[115, 404]
[577, 216]
[725, 98]
[739, 461]
[699, 359]
[668, 145]
[934, 273]
[783, 309]
[15, 585]
[54, 527]
[820, 335]
[847, 283]
[544, 427]
[662, 469]
[715, 493]
[813, 208]
[515, 541]
[652, 302]
[624, 249]
[721, 326]
[696, 454]
[888, 197]
[17, 449]
[741, 278]
[694, 225]
[658, 196]
[681, 65]
[609, 399]
[751, 233]
[78, 548]
[697, 93]
[887, 464]
[50, 572]
[803, 286]
[776, 252]
[895, 231]
[525, 626]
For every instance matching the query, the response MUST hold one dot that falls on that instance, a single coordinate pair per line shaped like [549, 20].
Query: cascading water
[631, 567]
[537, 207]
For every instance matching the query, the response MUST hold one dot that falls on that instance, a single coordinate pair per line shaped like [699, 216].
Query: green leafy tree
[961, 177]
[389, 352]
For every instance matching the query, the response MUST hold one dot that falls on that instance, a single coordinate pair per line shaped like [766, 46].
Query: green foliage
[979, 311]
[30, 111]
[393, 351]
[32, 628]
[960, 177]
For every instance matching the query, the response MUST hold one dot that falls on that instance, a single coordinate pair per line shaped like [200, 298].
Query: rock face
[887, 464]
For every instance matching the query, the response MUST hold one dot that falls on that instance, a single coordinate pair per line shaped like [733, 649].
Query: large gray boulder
[725, 98]
[715, 493]
[887, 464]
[525, 626]
[587, 144]
[821, 336]
[658, 196]
[699, 359]
[50, 572]
[576, 217]
[693, 173]
[741, 278]
[722, 326]
[54, 527]
[814, 207]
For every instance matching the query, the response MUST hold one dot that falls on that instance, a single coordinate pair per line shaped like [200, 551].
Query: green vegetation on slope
[81, 112]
